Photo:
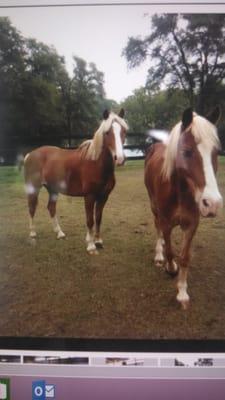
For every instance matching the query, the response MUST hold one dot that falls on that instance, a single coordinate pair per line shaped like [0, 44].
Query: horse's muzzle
[209, 208]
[119, 161]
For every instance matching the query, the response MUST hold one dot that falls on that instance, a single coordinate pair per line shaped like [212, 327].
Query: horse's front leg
[182, 295]
[171, 265]
[90, 237]
[159, 248]
[100, 203]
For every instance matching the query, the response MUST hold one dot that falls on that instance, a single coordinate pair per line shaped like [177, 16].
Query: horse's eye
[187, 153]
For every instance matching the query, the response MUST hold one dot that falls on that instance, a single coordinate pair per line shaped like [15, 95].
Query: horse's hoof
[32, 241]
[99, 245]
[172, 270]
[172, 274]
[61, 235]
[33, 234]
[185, 304]
[184, 300]
[159, 260]
[93, 252]
[159, 263]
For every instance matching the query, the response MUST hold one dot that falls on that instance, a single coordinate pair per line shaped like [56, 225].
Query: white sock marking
[91, 248]
[30, 189]
[182, 295]
[57, 229]
[159, 257]
[33, 233]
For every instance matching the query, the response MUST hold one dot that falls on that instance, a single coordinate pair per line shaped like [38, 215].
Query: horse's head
[197, 151]
[114, 135]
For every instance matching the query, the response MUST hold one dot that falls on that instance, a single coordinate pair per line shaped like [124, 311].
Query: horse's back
[42, 154]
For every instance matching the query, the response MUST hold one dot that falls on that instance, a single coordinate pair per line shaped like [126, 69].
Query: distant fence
[11, 156]
[135, 146]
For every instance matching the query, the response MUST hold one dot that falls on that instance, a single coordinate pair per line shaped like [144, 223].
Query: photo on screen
[112, 140]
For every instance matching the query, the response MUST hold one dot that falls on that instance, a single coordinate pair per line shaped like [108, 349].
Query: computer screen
[112, 185]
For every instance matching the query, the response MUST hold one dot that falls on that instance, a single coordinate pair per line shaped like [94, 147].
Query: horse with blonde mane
[180, 177]
[87, 171]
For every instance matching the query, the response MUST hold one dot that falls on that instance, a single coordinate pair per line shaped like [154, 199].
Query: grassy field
[56, 289]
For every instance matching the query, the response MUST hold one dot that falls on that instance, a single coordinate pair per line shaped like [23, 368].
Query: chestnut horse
[87, 171]
[181, 183]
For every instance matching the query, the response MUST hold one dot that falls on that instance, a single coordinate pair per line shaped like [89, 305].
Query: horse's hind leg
[52, 211]
[32, 205]
[90, 237]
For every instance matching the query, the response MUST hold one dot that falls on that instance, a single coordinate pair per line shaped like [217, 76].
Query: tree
[12, 68]
[86, 96]
[43, 61]
[30, 91]
[11, 53]
[39, 101]
[160, 110]
[139, 111]
[184, 51]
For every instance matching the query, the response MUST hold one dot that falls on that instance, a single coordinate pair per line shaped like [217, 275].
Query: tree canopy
[158, 110]
[185, 51]
[39, 100]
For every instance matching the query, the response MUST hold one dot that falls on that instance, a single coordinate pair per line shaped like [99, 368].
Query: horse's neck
[106, 160]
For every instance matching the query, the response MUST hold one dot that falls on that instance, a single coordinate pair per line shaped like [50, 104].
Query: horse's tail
[21, 160]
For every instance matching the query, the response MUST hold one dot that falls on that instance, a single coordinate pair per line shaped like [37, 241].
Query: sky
[96, 34]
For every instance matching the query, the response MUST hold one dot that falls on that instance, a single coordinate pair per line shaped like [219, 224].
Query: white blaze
[118, 143]
[210, 192]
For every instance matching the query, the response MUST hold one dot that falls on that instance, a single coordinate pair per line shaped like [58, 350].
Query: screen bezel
[111, 345]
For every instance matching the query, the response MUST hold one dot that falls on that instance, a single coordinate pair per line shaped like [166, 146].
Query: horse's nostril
[211, 215]
[115, 158]
[205, 203]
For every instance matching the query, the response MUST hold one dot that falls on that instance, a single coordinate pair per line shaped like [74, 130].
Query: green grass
[9, 175]
[54, 288]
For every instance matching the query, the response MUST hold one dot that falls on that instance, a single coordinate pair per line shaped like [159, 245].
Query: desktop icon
[4, 389]
[50, 391]
[42, 390]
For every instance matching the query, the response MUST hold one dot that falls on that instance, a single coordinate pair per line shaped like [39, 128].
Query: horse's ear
[106, 114]
[122, 113]
[187, 118]
[214, 116]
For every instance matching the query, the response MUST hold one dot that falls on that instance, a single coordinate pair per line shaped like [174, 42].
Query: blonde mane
[202, 130]
[93, 148]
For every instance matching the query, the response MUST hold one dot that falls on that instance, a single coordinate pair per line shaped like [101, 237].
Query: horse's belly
[76, 188]
[58, 178]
